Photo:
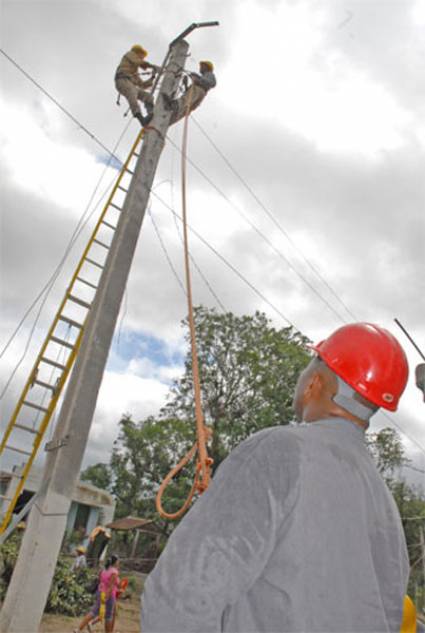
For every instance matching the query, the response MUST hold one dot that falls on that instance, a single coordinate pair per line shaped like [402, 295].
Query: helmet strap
[345, 399]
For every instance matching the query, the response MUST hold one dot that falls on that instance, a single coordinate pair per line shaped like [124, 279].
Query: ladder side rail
[71, 358]
[33, 372]
[40, 434]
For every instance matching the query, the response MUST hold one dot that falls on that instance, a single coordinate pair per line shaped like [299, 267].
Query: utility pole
[29, 587]
[422, 540]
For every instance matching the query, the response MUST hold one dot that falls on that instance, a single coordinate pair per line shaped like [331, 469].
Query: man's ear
[317, 384]
[314, 386]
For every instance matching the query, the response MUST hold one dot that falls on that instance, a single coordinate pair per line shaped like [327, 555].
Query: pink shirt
[104, 580]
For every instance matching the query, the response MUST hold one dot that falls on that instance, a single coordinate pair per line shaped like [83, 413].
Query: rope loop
[203, 433]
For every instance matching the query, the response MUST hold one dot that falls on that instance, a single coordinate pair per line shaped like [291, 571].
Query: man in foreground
[297, 532]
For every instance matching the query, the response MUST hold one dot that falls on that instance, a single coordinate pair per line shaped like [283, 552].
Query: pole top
[192, 27]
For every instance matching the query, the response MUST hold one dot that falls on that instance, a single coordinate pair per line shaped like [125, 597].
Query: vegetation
[249, 370]
[70, 592]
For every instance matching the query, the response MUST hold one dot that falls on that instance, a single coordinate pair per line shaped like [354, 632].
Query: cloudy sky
[319, 112]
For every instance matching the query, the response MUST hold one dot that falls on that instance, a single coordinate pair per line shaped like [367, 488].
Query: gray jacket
[297, 532]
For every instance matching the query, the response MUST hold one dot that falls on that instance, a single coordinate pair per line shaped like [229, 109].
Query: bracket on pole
[55, 444]
[192, 27]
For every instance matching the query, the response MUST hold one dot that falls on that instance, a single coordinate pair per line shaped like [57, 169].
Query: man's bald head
[320, 394]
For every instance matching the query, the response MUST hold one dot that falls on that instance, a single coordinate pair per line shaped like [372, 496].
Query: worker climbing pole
[29, 587]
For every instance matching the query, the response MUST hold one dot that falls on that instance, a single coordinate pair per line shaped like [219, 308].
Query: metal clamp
[53, 445]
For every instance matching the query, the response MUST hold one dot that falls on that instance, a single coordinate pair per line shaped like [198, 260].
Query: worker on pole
[194, 93]
[297, 531]
[132, 87]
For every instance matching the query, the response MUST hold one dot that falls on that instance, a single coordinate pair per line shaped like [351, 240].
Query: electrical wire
[59, 105]
[261, 234]
[192, 259]
[221, 257]
[161, 241]
[82, 223]
[421, 448]
[273, 219]
[229, 265]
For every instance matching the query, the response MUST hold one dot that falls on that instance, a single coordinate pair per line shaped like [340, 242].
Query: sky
[319, 113]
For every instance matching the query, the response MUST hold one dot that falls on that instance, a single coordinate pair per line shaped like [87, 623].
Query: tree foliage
[387, 451]
[248, 373]
[69, 593]
[99, 475]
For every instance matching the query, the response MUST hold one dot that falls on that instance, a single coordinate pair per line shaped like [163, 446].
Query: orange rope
[203, 433]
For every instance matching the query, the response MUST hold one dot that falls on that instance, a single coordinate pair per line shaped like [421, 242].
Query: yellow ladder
[49, 373]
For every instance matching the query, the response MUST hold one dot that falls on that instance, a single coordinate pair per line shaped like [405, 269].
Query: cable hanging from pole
[203, 433]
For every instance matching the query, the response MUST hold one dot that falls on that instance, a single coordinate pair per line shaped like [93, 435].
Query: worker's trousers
[134, 94]
[198, 95]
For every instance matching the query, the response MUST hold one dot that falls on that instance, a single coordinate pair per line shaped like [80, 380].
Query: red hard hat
[369, 359]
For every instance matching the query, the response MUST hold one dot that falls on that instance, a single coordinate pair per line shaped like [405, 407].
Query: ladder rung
[80, 302]
[94, 263]
[49, 361]
[45, 385]
[122, 188]
[17, 450]
[102, 244]
[110, 226]
[115, 206]
[136, 154]
[129, 171]
[26, 428]
[35, 406]
[70, 321]
[5, 498]
[88, 283]
[60, 341]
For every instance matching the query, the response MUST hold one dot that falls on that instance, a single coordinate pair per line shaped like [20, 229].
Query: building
[90, 506]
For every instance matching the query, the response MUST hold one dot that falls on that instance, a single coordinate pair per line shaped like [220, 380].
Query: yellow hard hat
[408, 624]
[209, 65]
[81, 549]
[139, 50]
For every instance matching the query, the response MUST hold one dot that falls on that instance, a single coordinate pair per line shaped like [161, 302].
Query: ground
[128, 617]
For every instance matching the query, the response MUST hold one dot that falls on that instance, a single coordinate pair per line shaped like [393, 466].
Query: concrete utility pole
[29, 587]
[422, 540]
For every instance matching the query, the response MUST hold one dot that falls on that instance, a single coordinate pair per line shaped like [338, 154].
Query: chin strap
[345, 399]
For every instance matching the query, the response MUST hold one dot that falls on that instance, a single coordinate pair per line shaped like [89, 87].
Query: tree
[248, 373]
[387, 451]
[99, 475]
[143, 454]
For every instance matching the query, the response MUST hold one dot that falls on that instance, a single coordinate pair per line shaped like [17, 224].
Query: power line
[421, 448]
[161, 241]
[221, 257]
[59, 105]
[273, 218]
[229, 265]
[262, 235]
[47, 288]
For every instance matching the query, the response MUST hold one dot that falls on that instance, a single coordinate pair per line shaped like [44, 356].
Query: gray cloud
[358, 220]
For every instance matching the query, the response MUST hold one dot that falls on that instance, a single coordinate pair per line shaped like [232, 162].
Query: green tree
[248, 373]
[387, 451]
[143, 454]
[99, 475]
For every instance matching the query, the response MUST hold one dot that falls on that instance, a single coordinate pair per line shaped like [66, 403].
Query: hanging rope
[203, 433]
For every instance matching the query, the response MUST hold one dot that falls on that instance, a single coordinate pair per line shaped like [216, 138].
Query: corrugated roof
[133, 523]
